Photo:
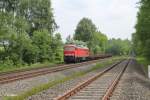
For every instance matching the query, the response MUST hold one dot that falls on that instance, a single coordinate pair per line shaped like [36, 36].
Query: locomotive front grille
[69, 58]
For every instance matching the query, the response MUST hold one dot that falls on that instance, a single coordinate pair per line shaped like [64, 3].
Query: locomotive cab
[73, 53]
[69, 53]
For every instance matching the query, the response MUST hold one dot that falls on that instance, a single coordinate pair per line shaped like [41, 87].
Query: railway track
[98, 87]
[20, 75]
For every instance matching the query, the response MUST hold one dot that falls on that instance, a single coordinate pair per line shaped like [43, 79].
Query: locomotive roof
[78, 46]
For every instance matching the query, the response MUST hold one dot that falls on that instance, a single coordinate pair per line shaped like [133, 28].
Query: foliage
[100, 41]
[57, 47]
[145, 62]
[87, 32]
[42, 41]
[97, 42]
[141, 38]
[136, 44]
[118, 47]
[19, 45]
[77, 43]
[26, 33]
[38, 14]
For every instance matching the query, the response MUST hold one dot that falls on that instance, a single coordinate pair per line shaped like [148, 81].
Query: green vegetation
[87, 32]
[7, 68]
[143, 61]
[77, 43]
[118, 47]
[141, 38]
[98, 42]
[27, 33]
[42, 87]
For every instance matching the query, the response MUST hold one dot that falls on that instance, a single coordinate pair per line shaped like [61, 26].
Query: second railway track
[17, 75]
[99, 87]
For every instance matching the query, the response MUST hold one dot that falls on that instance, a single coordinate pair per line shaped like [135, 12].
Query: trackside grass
[8, 68]
[144, 62]
[26, 67]
[42, 87]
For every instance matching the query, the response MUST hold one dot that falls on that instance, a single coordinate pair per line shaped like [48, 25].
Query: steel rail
[75, 90]
[6, 78]
[114, 84]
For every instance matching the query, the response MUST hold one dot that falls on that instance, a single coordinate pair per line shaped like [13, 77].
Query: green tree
[26, 32]
[136, 46]
[142, 35]
[38, 14]
[42, 40]
[57, 47]
[6, 29]
[19, 45]
[85, 32]
[101, 41]
[118, 47]
[12, 30]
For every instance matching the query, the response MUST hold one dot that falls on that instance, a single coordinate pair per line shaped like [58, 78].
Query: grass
[144, 62]
[1, 48]
[21, 67]
[46, 86]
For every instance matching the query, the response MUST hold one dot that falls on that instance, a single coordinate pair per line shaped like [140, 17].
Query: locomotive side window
[69, 49]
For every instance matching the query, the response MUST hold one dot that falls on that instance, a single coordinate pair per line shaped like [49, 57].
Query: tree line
[97, 42]
[26, 32]
[119, 47]
[141, 38]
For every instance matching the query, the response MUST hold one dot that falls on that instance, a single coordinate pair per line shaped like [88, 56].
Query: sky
[115, 18]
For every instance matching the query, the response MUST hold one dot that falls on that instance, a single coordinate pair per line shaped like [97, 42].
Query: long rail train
[74, 53]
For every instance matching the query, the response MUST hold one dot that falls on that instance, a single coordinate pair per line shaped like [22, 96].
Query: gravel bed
[97, 89]
[18, 87]
[59, 89]
[133, 85]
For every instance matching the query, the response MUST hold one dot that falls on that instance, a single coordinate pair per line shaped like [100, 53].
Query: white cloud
[116, 18]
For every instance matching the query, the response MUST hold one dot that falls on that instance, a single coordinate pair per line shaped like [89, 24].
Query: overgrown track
[100, 86]
[19, 75]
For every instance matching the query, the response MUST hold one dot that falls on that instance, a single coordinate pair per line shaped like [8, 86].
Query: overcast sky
[115, 18]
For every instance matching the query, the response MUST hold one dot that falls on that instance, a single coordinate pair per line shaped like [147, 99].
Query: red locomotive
[74, 53]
